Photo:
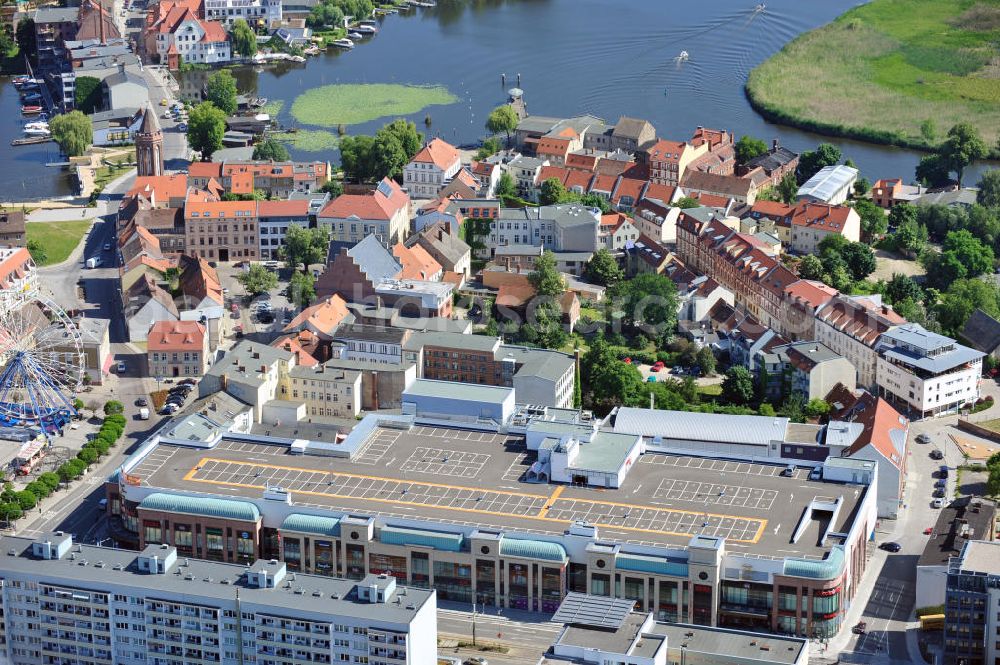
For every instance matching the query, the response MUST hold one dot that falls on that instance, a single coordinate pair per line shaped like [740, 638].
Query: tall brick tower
[149, 144]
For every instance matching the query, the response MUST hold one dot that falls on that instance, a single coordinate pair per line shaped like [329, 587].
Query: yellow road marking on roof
[549, 501]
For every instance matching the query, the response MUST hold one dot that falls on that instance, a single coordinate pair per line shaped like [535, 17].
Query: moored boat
[343, 43]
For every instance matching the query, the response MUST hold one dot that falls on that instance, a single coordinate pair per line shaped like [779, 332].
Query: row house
[803, 226]
[257, 13]
[774, 164]
[177, 349]
[384, 212]
[278, 180]
[275, 218]
[561, 228]
[616, 231]
[720, 151]
[221, 230]
[182, 37]
[741, 190]
[431, 169]
[851, 326]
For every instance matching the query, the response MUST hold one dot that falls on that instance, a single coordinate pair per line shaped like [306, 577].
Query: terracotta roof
[198, 280]
[773, 209]
[667, 151]
[243, 210]
[582, 160]
[214, 32]
[324, 317]
[14, 265]
[176, 336]
[884, 428]
[822, 216]
[416, 262]
[714, 183]
[440, 153]
[456, 278]
[712, 137]
[604, 184]
[628, 187]
[580, 179]
[860, 318]
[294, 344]
[810, 293]
[291, 208]
[659, 192]
[160, 188]
[368, 206]
[613, 220]
[205, 169]
[551, 171]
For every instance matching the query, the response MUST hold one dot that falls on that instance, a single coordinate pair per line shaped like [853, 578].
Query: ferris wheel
[41, 364]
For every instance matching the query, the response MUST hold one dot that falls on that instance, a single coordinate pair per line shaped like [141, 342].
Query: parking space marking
[550, 507]
[445, 462]
[715, 493]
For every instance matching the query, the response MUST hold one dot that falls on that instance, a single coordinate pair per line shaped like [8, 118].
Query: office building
[972, 605]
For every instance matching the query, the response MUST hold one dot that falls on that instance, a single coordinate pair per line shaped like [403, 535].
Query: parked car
[789, 471]
[891, 546]
[938, 503]
[938, 493]
[189, 382]
[924, 438]
[121, 366]
[141, 402]
[943, 471]
[941, 483]
[816, 473]
[937, 454]
[859, 628]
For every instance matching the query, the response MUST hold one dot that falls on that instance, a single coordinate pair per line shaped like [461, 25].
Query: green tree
[87, 98]
[206, 127]
[502, 119]
[490, 146]
[304, 247]
[793, 408]
[810, 267]
[706, 360]
[87, 455]
[861, 187]
[406, 132]
[860, 260]
[551, 192]
[8, 44]
[358, 158]
[749, 147]
[25, 499]
[649, 303]
[545, 312]
[10, 511]
[73, 132]
[220, 89]
[325, 15]
[788, 188]
[873, 219]
[970, 251]
[38, 252]
[686, 202]
[910, 236]
[271, 150]
[390, 156]
[901, 288]
[603, 268]
[961, 147]
[933, 171]
[817, 408]
[301, 289]
[992, 481]
[593, 200]
[257, 279]
[113, 407]
[963, 297]
[737, 387]
[506, 187]
[811, 161]
[608, 381]
[332, 187]
[243, 38]
[25, 36]
[989, 189]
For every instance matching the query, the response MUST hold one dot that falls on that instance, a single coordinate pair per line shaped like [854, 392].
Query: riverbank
[891, 72]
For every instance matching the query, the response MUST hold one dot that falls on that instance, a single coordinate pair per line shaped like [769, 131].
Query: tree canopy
[220, 89]
[648, 303]
[749, 147]
[73, 132]
[87, 98]
[551, 192]
[502, 119]
[545, 312]
[603, 268]
[257, 279]
[874, 222]
[304, 247]
[243, 38]
[811, 161]
[206, 127]
[961, 147]
[738, 386]
[989, 189]
[271, 149]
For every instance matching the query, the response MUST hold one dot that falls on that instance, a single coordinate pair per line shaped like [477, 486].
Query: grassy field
[58, 238]
[310, 140]
[881, 71]
[354, 103]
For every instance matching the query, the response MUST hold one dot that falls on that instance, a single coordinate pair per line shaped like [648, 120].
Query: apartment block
[972, 605]
[72, 603]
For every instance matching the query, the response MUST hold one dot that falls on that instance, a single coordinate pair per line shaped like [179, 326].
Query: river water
[604, 57]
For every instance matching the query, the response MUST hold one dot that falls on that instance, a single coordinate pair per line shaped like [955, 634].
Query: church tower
[149, 144]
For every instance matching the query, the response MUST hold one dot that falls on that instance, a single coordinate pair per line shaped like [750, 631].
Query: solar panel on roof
[384, 189]
[595, 611]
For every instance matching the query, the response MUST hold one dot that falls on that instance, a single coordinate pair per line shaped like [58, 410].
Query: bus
[932, 622]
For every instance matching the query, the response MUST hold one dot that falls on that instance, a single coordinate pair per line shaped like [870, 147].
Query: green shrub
[113, 407]
[50, 480]
[87, 455]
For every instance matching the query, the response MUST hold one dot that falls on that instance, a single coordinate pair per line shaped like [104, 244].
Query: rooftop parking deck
[476, 478]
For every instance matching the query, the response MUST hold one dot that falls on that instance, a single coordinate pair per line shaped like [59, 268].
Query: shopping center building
[515, 509]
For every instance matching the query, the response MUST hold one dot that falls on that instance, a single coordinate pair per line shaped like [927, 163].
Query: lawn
[711, 390]
[309, 140]
[882, 70]
[990, 424]
[354, 103]
[58, 238]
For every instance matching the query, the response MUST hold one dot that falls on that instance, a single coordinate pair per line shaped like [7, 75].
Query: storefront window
[246, 548]
[270, 543]
[355, 555]
[151, 531]
[214, 544]
[667, 608]
[577, 577]
[702, 604]
[325, 558]
[551, 589]
[633, 589]
[420, 575]
[787, 598]
[293, 554]
[600, 585]
[825, 628]
[183, 539]
[390, 565]
[486, 592]
[453, 581]
[826, 603]
[789, 625]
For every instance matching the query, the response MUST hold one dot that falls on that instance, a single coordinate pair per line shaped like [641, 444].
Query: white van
[143, 413]
[93, 262]
[938, 503]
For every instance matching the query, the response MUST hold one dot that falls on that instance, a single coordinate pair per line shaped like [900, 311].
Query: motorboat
[37, 131]
[683, 55]
[355, 35]
[31, 110]
[343, 43]
[366, 29]
[369, 21]
[36, 124]
[32, 97]
[22, 80]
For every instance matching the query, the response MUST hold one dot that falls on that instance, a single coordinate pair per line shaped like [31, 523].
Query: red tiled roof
[162, 187]
[879, 420]
[579, 179]
[772, 208]
[176, 336]
[324, 316]
[667, 151]
[439, 153]
[292, 208]
[822, 216]
[368, 206]
[551, 171]
[810, 293]
[628, 187]
[205, 170]
[416, 262]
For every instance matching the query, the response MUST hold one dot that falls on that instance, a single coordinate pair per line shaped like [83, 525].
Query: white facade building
[254, 12]
[850, 326]
[927, 372]
[431, 169]
[196, 42]
[70, 603]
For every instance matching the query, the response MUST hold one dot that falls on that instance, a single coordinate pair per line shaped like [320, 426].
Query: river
[605, 57]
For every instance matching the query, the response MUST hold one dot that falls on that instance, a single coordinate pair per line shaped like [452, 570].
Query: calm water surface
[605, 57]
